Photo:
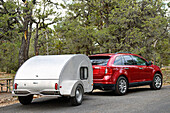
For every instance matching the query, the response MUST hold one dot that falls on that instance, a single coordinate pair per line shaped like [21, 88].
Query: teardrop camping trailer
[53, 75]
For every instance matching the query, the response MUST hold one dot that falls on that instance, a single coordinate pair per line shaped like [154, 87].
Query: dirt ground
[7, 99]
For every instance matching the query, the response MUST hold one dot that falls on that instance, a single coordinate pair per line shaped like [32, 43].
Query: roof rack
[122, 52]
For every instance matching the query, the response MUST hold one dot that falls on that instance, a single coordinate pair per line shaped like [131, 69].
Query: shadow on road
[46, 104]
[111, 93]
[137, 90]
[52, 102]
[130, 91]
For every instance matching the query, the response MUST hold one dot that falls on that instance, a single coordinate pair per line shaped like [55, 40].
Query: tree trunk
[47, 42]
[28, 37]
[36, 41]
[87, 50]
[22, 52]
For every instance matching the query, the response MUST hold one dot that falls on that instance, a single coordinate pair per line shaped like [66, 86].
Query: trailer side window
[83, 73]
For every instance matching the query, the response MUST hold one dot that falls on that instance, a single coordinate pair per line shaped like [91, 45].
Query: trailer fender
[68, 87]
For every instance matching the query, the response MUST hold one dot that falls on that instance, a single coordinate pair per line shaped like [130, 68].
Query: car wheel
[25, 100]
[156, 82]
[121, 86]
[78, 98]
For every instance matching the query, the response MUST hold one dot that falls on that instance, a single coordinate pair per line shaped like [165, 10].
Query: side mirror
[149, 63]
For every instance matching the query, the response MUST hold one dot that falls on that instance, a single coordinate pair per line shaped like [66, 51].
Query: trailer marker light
[56, 86]
[60, 86]
[15, 86]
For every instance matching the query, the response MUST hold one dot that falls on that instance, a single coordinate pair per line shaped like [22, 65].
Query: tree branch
[4, 6]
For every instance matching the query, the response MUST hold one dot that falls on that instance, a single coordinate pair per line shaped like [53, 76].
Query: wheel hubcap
[78, 95]
[122, 86]
[158, 82]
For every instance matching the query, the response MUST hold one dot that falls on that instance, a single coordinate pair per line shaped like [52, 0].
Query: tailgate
[99, 64]
[98, 71]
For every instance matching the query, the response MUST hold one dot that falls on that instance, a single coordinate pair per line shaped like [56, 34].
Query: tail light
[108, 71]
[15, 86]
[56, 86]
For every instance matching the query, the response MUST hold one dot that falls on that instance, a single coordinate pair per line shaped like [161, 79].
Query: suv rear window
[99, 60]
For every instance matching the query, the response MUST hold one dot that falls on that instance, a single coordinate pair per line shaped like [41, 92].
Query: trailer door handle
[140, 68]
[126, 68]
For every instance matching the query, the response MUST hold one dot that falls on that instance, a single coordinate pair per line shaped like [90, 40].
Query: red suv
[120, 71]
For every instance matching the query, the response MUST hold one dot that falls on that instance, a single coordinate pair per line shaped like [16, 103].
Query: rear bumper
[25, 92]
[36, 87]
[104, 86]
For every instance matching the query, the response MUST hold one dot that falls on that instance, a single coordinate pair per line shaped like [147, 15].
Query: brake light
[108, 70]
[15, 86]
[56, 86]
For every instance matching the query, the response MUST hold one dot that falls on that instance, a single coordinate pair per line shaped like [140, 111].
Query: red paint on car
[107, 68]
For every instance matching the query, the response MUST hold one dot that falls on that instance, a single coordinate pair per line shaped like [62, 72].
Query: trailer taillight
[15, 86]
[56, 86]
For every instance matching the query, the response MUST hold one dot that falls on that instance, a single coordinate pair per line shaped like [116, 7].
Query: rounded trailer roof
[44, 67]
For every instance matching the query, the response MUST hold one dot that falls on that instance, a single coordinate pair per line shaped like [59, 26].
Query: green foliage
[9, 56]
[118, 25]
[9, 37]
[89, 26]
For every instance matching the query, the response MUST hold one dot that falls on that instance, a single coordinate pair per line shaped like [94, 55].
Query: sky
[58, 9]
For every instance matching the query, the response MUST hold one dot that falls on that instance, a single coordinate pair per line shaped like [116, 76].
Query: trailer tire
[78, 98]
[25, 100]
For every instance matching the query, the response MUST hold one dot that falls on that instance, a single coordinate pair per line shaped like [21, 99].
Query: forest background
[52, 27]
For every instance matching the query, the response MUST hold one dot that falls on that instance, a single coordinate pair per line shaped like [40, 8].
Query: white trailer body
[54, 75]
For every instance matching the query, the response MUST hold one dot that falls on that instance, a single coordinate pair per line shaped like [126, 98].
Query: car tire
[121, 86]
[156, 82]
[25, 100]
[78, 98]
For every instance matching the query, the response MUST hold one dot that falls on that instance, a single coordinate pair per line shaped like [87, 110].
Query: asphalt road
[138, 100]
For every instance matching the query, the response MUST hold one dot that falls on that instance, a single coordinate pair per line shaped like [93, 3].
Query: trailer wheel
[25, 100]
[78, 98]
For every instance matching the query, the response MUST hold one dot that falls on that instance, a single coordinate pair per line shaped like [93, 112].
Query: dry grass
[166, 75]
[6, 75]
[4, 101]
